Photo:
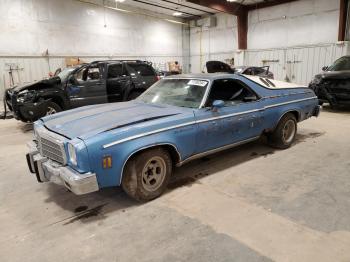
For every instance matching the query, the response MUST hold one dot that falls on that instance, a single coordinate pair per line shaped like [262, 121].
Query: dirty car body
[86, 84]
[333, 84]
[88, 148]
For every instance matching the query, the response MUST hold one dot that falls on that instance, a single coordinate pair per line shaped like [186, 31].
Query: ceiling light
[177, 14]
[119, 1]
[232, 1]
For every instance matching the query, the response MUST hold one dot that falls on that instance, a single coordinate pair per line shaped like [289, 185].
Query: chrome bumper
[47, 170]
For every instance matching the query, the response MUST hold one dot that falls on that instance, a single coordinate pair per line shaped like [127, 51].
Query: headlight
[25, 96]
[72, 154]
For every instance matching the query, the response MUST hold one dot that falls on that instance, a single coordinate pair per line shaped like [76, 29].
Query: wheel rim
[288, 131]
[153, 173]
[50, 111]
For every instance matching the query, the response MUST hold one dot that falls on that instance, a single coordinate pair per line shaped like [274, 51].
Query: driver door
[239, 120]
[88, 87]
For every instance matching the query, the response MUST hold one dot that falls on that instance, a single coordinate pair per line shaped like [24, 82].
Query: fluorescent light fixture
[119, 1]
[232, 1]
[177, 14]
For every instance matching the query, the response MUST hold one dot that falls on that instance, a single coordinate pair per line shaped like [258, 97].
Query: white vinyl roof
[275, 83]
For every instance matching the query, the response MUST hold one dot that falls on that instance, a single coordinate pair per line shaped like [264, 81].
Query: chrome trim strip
[202, 121]
[216, 150]
[147, 134]
[290, 102]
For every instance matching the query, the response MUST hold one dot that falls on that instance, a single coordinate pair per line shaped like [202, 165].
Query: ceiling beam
[267, 4]
[222, 6]
[342, 19]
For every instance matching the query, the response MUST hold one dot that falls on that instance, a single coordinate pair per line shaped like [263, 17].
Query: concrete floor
[251, 203]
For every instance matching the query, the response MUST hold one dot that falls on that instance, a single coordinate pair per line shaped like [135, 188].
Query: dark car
[220, 67]
[87, 84]
[333, 84]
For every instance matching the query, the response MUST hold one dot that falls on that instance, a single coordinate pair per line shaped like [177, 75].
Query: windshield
[176, 92]
[341, 64]
[65, 72]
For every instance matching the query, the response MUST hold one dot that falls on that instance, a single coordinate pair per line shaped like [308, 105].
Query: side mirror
[217, 104]
[324, 68]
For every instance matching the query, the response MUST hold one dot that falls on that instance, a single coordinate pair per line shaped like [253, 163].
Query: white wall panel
[297, 64]
[71, 28]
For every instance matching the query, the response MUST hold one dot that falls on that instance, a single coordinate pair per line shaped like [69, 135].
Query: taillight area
[157, 78]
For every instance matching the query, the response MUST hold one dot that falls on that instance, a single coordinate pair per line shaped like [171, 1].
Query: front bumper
[25, 111]
[47, 170]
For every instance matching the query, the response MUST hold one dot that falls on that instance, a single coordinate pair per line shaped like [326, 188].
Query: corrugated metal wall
[30, 68]
[297, 64]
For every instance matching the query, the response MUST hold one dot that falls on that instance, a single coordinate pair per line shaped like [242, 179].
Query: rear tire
[284, 134]
[146, 175]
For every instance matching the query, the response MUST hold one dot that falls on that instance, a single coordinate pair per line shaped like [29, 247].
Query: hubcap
[51, 111]
[153, 173]
[288, 131]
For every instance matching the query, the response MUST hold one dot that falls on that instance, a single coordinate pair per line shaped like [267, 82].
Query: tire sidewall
[277, 136]
[53, 105]
[132, 177]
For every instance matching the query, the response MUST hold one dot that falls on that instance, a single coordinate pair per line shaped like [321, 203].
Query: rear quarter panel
[279, 101]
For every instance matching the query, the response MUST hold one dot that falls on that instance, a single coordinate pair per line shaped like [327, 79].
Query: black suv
[333, 84]
[87, 84]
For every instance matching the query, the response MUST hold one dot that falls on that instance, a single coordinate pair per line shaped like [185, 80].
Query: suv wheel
[52, 108]
[146, 175]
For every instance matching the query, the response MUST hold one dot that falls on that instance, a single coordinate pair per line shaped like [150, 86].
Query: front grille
[51, 148]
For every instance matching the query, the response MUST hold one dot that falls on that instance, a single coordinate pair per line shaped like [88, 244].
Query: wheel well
[172, 150]
[58, 101]
[295, 113]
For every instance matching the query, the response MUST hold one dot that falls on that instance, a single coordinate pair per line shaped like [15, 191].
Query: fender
[148, 147]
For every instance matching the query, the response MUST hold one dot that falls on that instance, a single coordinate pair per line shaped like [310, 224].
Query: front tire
[52, 108]
[146, 175]
[284, 134]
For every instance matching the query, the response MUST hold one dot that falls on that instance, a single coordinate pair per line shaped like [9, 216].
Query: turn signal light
[107, 162]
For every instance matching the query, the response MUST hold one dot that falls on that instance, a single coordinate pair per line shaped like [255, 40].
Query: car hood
[333, 75]
[45, 83]
[85, 122]
[218, 67]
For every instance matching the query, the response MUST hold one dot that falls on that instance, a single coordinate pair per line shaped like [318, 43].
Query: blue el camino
[137, 144]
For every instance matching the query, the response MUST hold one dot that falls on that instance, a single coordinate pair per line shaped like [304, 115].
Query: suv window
[230, 91]
[88, 73]
[141, 69]
[341, 64]
[115, 71]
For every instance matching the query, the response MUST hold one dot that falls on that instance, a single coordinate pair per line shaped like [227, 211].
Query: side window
[141, 69]
[88, 73]
[79, 74]
[115, 71]
[93, 73]
[230, 91]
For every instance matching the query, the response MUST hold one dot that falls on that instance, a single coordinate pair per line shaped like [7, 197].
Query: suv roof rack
[121, 60]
